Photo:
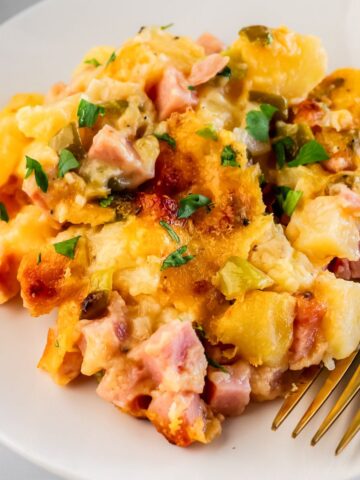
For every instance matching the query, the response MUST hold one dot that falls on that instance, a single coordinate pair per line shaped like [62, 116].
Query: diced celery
[69, 138]
[238, 276]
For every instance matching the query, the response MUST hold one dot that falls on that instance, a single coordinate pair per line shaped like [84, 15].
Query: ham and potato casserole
[191, 210]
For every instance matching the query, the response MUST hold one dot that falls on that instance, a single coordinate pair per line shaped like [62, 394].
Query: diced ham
[203, 70]
[127, 386]
[229, 393]
[268, 383]
[345, 269]
[111, 147]
[172, 94]
[103, 338]
[338, 162]
[307, 326]
[210, 43]
[183, 418]
[174, 357]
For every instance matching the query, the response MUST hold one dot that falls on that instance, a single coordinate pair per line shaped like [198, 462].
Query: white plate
[70, 430]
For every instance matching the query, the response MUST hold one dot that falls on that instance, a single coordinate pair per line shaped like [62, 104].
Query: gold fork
[332, 380]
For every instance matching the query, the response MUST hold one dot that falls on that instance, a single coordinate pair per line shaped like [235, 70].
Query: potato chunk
[260, 326]
[62, 357]
[42, 122]
[291, 270]
[12, 144]
[341, 323]
[303, 58]
[322, 230]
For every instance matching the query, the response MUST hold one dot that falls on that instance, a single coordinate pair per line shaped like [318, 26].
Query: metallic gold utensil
[333, 379]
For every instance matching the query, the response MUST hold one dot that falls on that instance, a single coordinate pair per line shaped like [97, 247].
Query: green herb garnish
[67, 162]
[165, 137]
[288, 199]
[258, 122]
[225, 72]
[93, 62]
[170, 231]
[57, 344]
[208, 132]
[176, 259]
[215, 364]
[41, 178]
[165, 27]
[191, 203]
[39, 259]
[88, 113]
[4, 216]
[283, 148]
[310, 152]
[106, 202]
[112, 58]
[191, 87]
[67, 247]
[228, 157]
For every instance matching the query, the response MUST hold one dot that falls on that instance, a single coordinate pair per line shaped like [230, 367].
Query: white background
[13, 467]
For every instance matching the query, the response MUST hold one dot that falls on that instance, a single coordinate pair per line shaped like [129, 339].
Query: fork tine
[349, 434]
[345, 398]
[292, 400]
[329, 386]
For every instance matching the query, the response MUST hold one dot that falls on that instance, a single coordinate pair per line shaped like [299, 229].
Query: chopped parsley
[225, 72]
[191, 87]
[258, 122]
[310, 152]
[283, 148]
[57, 344]
[165, 27]
[228, 157]
[208, 132]
[106, 202]
[112, 58]
[176, 259]
[288, 199]
[67, 162]
[215, 364]
[41, 178]
[93, 62]
[39, 259]
[170, 231]
[67, 247]
[191, 203]
[88, 113]
[165, 137]
[4, 216]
